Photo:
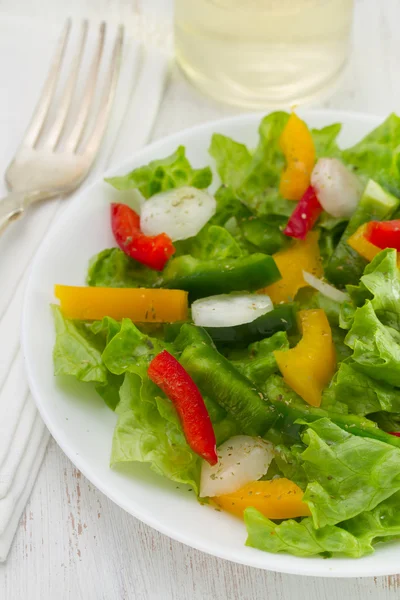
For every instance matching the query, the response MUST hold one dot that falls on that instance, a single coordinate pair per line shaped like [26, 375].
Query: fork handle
[13, 206]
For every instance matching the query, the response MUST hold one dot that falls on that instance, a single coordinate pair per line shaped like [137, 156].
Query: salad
[248, 339]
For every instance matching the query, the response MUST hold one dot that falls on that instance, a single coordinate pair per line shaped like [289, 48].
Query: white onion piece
[179, 213]
[325, 288]
[241, 459]
[228, 310]
[338, 190]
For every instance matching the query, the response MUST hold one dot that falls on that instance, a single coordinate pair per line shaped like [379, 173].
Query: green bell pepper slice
[218, 379]
[203, 278]
[281, 318]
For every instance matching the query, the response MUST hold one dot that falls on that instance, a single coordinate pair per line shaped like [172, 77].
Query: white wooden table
[73, 543]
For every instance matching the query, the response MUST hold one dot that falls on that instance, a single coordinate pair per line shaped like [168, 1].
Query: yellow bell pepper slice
[299, 150]
[275, 499]
[302, 255]
[141, 305]
[360, 244]
[308, 367]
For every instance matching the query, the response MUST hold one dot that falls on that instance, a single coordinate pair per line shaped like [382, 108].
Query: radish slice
[338, 189]
[325, 288]
[241, 459]
[228, 310]
[179, 213]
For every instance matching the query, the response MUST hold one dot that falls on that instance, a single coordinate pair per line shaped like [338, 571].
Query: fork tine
[78, 130]
[36, 125]
[60, 120]
[110, 85]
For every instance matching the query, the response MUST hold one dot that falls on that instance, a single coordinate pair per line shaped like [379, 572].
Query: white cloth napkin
[23, 67]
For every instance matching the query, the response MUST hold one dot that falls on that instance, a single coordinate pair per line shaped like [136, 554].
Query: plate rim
[253, 117]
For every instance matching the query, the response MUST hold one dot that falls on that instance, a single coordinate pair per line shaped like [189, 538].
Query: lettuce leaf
[368, 382]
[362, 394]
[143, 434]
[376, 351]
[380, 283]
[148, 427]
[130, 350]
[299, 538]
[212, 242]
[347, 474]
[353, 538]
[233, 160]
[229, 207]
[164, 174]
[254, 176]
[107, 328]
[110, 390]
[246, 173]
[376, 525]
[77, 350]
[113, 268]
[325, 141]
[377, 156]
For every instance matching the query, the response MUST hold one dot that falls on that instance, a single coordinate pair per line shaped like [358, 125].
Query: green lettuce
[143, 433]
[362, 394]
[233, 160]
[288, 458]
[110, 390]
[148, 427]
[212, 242]
[161, 175]
[347, 474]
[299, 538]
[342, 474]
[325, 141]
[130, 350]
[254, 176]
[369, 380]
[229, 207]
[376, 351]
[113, 268]
[376, 525]
[380, 283]
[78, 353]
[354, 538]
[77, 350]
[377, 156]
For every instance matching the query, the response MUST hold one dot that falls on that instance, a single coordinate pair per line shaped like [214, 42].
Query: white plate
[81, 423]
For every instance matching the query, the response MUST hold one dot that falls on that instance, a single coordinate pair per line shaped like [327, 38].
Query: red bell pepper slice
[152, 251]
[396, 433]
[384, 234]
[166, 372]
[304, 216]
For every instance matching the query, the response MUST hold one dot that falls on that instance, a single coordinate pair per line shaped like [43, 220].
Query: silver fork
[62, 161]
